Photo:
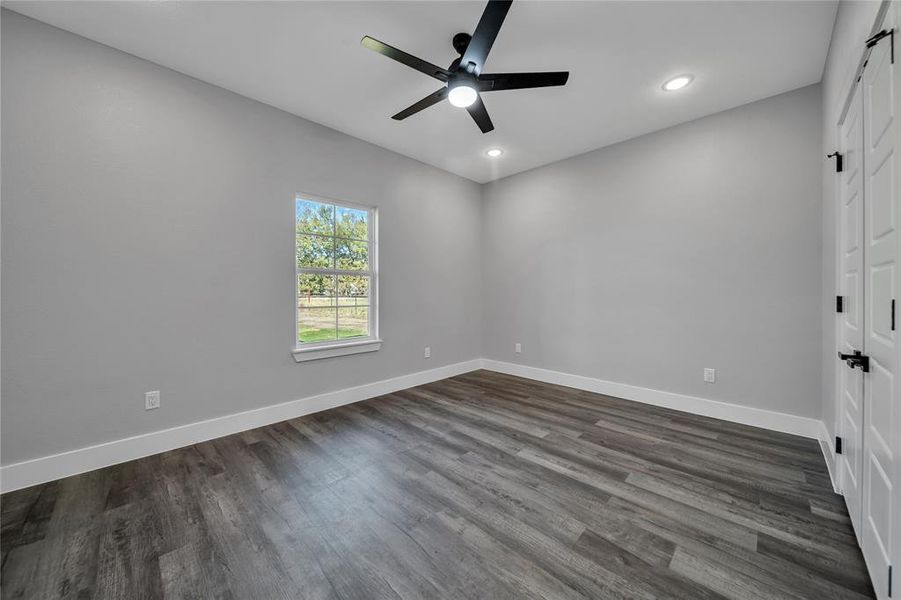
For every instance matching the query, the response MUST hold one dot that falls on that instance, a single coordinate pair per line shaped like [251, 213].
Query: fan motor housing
[462, 78]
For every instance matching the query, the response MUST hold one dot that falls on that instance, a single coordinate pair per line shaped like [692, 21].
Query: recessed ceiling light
[462, 96]
[494, 152]
[677, 83]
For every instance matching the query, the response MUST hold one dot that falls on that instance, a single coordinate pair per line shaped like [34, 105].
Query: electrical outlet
[710, 375]
[428, 352]
[152, 400]
[518, 348]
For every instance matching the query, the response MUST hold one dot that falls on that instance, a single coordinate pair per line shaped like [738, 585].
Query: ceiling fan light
[462, 96]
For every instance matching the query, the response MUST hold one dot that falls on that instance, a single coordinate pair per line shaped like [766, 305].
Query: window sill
[332, 350]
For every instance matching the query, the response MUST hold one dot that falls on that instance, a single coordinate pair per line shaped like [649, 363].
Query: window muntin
[336, 278]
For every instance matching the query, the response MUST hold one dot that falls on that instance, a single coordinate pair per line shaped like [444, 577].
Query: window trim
[356, 345]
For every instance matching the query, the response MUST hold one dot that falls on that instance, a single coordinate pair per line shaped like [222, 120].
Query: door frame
[852, 298]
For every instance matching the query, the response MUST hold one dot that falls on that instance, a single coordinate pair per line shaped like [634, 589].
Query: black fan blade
[408, 59]
[491, 82]
[480, 115]
[421, 105]
[485, 33]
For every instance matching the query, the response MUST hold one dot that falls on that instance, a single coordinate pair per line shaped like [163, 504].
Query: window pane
[315, 324]
[352, 255]
[353, 290]
[315, 252]
[315, 290]
[352, 223]
[314, 217]
[353, 322]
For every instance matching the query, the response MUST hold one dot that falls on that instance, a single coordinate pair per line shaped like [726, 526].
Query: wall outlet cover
[152, 400]
[710, 375]
[428, 352]
[518, 348]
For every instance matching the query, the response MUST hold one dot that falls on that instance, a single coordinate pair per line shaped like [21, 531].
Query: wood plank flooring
[479, 486]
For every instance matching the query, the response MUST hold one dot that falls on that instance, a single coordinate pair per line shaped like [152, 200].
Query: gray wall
[644, 262]
[147, 243]
[852, 24]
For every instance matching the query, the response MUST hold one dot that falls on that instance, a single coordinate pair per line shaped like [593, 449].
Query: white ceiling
[305, 58]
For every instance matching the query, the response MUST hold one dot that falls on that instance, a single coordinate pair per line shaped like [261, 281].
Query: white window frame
[330, 348]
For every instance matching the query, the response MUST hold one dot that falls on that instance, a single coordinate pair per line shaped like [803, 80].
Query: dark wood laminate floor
[479, 486]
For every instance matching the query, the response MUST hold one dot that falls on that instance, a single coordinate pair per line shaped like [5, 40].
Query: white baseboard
[828, 448]
[756, 417]
[65, 464]
[57, 466]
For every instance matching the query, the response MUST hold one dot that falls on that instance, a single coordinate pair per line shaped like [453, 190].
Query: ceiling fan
[464, 78]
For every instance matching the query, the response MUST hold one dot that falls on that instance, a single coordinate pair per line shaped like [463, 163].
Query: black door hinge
[838, 445]
[884, 34]
[893, 314]
[890, 581]
[839, 304]
[838, 161]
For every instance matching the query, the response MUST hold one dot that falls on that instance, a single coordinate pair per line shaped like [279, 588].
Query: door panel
[851, 333]
[880, 255]
[894, 443]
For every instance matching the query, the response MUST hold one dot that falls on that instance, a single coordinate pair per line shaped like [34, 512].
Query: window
[336, 279]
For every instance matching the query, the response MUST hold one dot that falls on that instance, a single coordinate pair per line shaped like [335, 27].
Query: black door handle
[856, 360]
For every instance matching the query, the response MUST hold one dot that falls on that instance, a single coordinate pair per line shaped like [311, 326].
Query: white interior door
[851, 323]
[880, 281]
